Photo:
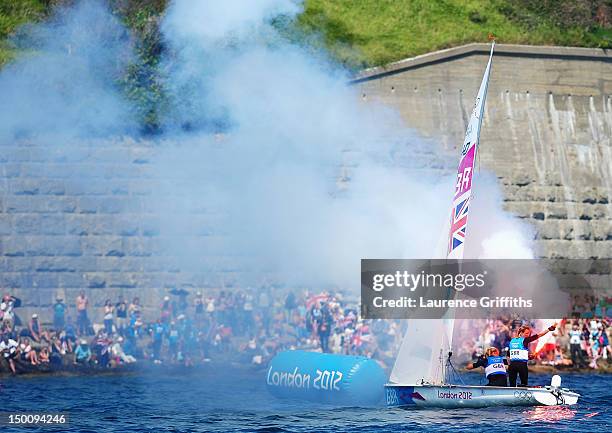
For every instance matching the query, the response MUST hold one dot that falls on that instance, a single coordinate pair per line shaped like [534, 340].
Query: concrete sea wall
[80, 215]
[546, 134]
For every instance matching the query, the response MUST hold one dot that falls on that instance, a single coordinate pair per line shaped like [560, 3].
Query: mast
[423, 353]
[463, 187]
[463, 196]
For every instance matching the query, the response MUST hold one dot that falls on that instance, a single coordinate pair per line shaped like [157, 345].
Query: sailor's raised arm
[549, 329]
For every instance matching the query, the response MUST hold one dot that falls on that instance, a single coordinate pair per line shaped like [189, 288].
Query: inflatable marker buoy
[326, 378]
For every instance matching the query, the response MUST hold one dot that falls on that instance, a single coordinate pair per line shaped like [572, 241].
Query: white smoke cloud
[293, 127]
[65, 82]
[492, 232]
[211, 21]
[268, 152]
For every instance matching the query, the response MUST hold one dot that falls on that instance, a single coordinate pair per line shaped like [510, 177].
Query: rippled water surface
[218, 400]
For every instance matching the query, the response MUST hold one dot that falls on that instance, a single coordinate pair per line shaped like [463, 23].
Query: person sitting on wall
[34, 328]
[68, 336]
[56, 351]
[494, 365]
[101, 348]
[44, 355]
[118, 352]
[27, 352]
[82, 354]
[9, 350]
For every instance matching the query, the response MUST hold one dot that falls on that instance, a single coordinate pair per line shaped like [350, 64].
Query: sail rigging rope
[455, 375]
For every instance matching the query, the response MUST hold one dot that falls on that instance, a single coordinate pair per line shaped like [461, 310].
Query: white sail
[463, 187]
[423, 351]
[418, 360]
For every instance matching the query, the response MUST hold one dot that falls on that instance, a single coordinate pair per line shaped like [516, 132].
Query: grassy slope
[373, 32]
[14, 13]
[386, 30]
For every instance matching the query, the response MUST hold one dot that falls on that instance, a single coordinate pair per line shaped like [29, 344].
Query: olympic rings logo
[523, 395]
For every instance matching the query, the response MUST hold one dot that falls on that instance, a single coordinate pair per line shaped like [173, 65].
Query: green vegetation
[141, 81]
[14, 13]
[373, 32]
[382, 31]
[357, 33]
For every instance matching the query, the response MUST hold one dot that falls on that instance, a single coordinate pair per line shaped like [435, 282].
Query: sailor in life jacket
[494, 365]
[519, 353]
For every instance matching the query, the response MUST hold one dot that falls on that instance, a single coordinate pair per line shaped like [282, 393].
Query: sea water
[235, 400]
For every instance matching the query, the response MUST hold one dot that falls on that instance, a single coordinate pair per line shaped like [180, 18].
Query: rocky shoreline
[146, 367]
[133, 369]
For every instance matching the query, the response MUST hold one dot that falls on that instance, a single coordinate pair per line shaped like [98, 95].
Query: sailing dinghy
[420, 376]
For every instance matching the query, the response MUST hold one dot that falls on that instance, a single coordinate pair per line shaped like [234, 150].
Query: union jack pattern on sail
[461, 201]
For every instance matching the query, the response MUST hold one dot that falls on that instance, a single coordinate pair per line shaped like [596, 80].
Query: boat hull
[454, 396]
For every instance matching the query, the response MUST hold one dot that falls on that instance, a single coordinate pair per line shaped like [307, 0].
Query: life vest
[495, 365]
[517, 350]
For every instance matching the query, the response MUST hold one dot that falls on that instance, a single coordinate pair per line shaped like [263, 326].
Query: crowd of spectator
[244, 326]
[251, 326]
[582, 340]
